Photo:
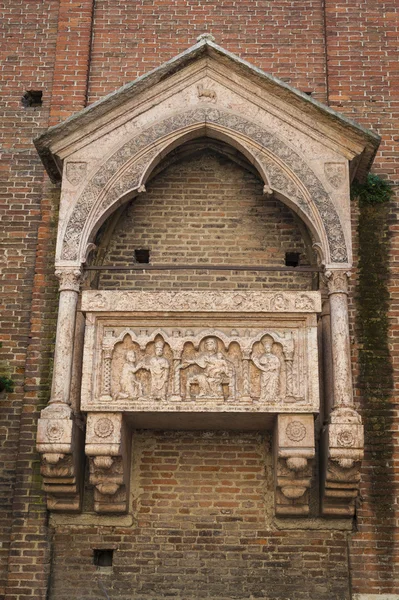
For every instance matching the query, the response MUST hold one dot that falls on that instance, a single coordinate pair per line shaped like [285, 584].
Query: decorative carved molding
[293, 456]
[335, 173]
[75, 172]
[108, 449]
[60, 443]
[194, 301]
[337, 281]
[98, 196]
[70, 279]
[343, 442]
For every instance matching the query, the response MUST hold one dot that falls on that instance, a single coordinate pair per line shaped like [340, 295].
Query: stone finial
[207, 37]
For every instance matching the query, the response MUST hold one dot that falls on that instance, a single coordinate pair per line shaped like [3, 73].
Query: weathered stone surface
[60, 440]
[194, 301]
[108, 443]
[140, 357]
[342, 444]
[293, 462]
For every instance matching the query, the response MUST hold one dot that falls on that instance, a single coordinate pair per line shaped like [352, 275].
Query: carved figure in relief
[217, 370]
[279, 302]
[303, 302]
[206, 93]
[158, 366]
[269, 364]
[129, 386]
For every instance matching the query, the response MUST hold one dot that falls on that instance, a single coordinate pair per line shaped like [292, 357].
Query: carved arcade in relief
[264, 366]
[214, 372]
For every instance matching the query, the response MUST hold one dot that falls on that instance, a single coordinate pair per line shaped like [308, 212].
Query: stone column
[342, 439]
[337, 282]
[60, 434]
[63, 357]
[328, 379]
[246, 383]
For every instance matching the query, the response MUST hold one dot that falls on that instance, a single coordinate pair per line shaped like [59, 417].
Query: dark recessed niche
[32, 98]
[142, 255]
[103, 558]
[292, 259]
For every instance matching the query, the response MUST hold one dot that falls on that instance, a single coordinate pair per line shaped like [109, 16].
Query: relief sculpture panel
[132, 366]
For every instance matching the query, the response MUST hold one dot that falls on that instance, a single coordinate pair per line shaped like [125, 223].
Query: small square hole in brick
[103, 558]
[32, 98]
[292, 259]
[142, 255]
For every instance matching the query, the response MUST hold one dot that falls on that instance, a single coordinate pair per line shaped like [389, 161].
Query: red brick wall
[27, 61]
[202, 529]
[285, 38]
[363, 81]
[206, 210]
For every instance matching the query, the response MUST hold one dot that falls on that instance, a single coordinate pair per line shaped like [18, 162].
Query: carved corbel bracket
[108, 444]
[60, 441]
[343, 444]
[294, 453]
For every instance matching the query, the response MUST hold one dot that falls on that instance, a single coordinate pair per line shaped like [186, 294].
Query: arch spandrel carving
[124, 174]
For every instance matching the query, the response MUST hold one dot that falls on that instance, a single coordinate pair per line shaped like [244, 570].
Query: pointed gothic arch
[123, 175]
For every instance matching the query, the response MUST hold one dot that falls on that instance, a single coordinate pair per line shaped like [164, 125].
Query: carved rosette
[70, 279]
[343, 451]
[108, 449]
[60, 443]
[293, 455]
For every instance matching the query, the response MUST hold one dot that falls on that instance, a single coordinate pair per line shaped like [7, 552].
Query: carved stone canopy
[304, 152]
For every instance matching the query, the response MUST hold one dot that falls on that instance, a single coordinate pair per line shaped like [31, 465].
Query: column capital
[337, 281]
[69, 278]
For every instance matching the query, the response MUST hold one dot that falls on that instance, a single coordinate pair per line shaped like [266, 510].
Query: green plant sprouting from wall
[374, 191]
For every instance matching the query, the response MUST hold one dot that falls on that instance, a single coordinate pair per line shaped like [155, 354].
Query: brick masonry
[344, 53]
[202, 505]
[206, 210]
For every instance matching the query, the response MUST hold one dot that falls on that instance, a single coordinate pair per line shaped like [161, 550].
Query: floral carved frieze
[194, 301]
[132, 363]
[123, 172]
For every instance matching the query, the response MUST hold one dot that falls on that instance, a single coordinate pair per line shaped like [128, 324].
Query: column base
[342, 443]
[60, 441]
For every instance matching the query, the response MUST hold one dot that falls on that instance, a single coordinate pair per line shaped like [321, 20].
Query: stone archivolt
[284, 170]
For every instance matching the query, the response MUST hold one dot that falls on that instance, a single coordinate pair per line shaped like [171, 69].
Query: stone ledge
[375, 597]
[199, 301]
[316, 524]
